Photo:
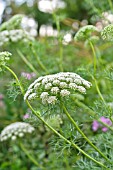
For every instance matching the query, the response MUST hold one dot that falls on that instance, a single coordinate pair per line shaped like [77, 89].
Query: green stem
[91, 113]
[15, 76]
[60, 42]
[30, 156]
[51, 128]
[27, 62]
[85, 137]
[94, 56]
[38, 60]
[98, 90]
[110, 4]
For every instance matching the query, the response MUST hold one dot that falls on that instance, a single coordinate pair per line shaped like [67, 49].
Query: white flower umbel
[85, 32]
[51, 88]
[14, 36]
[14, 130]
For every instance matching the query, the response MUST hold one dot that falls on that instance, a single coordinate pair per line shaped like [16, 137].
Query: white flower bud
[48, 86]
[32, 96]
[51, 99]
[54, 90]
[63, 85]
[44, 95]
[81, 89]
[64, 93]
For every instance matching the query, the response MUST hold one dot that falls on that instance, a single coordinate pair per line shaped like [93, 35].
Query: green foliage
[64, 136]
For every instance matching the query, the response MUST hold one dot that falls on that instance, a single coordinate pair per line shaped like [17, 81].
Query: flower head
[4, 58]
[14, 36]
[14, 130]
[85, 32]
[107, 33]
[51, 88]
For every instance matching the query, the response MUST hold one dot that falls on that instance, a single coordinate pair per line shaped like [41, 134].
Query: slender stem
[60, 41]
[85, 137]
[27, 62]
[38, 60]
[91, 113]
[98, 90]
[94, 56]
[30, 156]
[51, 128]
[15, 76]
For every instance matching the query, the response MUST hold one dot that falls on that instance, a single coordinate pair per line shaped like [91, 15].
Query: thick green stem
[30, 156]
[27, 62]
[94, 56]
[51, 128]
[85, 137]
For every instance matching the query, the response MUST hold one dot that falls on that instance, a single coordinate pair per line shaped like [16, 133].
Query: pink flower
[28, 76]
[96, 125]
[26, 116]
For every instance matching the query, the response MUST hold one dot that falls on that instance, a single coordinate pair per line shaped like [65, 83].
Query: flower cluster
[4, 58]
[96, 125]
[85, 32]
[51, 88]
[107, 33]
[15, 130]
[14, 36]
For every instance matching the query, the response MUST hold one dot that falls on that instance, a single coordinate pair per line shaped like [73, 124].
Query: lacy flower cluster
[14, 36]
[85, 32]
[4, 58]
[107, 33]
[14, 130]
[51, 88]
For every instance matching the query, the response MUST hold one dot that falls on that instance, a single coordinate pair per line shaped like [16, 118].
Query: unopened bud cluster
[85, 32]
[51, 88]
[14, 36]
[13, 23]
[4, 58]
[107, 33]
[55, 121]
[14, 130]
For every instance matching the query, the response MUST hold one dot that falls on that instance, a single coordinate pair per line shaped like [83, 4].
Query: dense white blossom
[14, 36]
[14, 130]
[50, 88]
